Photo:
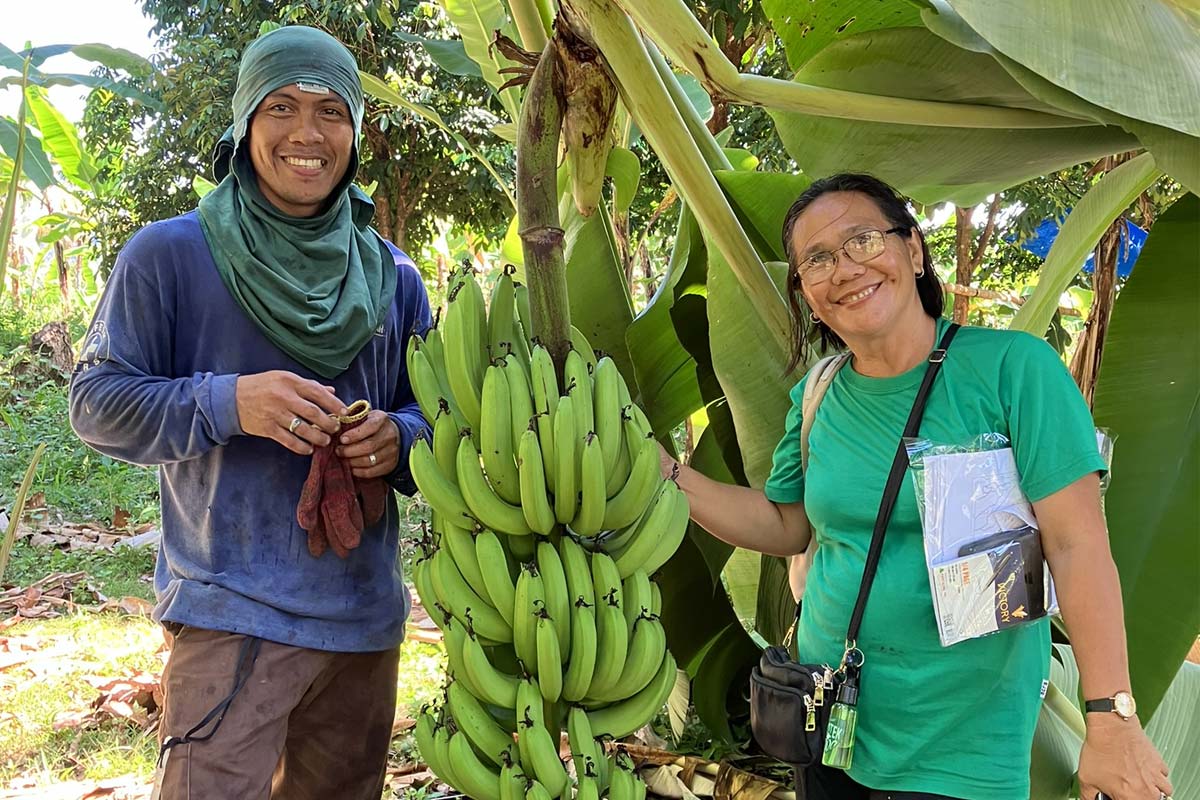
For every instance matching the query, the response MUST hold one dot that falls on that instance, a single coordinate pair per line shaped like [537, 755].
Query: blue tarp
[1131, 245]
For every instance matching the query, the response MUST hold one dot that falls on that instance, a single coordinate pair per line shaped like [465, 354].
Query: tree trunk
[963, 230]
[383, 214]
[1085, 364]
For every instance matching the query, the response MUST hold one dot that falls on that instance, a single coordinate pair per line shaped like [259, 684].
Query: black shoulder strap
[892, 488]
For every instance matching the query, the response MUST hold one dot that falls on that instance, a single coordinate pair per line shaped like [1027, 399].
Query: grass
[114, 645]
[35, 692]
[118, 573]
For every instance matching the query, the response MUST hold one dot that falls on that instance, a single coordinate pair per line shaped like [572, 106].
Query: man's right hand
[270, 403]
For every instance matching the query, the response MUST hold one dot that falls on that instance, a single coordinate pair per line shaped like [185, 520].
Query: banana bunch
[549, 517]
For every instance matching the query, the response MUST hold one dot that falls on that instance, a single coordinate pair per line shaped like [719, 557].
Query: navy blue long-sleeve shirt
[155, 385]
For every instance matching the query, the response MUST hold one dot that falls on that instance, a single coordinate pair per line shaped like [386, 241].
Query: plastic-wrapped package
[983, 548]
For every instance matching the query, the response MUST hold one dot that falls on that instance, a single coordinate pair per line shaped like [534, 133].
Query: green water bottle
[839, 735]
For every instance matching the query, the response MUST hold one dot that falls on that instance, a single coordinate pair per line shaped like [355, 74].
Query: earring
[921, 274]
[815, 319]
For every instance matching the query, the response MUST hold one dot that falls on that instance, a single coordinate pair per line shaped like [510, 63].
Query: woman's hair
[804, 331]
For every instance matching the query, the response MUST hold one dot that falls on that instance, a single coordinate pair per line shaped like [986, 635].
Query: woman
[933, 722]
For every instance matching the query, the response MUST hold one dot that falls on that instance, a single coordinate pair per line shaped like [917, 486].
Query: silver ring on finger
[296, 423]
[372, 459]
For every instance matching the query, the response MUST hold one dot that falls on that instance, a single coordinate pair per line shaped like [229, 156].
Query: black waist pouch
[789, 706]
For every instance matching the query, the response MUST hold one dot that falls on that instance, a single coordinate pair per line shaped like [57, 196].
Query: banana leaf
[1148, 395]
[807, 28]
[449, 54]
[720, 678]
[594, 271]
[932, 163]
[477, 21]
[61, 139]
[1174, 730]
[35, 164]
[1097, 50]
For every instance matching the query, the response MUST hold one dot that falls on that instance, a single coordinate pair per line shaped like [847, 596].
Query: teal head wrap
[318, 287]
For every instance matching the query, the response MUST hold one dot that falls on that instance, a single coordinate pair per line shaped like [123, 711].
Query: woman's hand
[668, 465]
[372, 448]
[294, 411]
[1119, 760]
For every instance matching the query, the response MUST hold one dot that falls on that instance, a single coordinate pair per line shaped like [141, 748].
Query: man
[227, 341]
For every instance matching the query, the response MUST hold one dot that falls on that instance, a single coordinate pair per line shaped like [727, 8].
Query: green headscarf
[319, 286]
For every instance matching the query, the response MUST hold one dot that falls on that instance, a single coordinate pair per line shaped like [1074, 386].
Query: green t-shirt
[956, 720]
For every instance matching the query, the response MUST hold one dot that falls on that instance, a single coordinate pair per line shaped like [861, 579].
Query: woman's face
[858, 301]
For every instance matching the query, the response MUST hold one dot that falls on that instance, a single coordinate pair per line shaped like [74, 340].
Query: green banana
[497, 448]
[464, 346]
[520, 395]
[623, 784]
[524, 313]
[479, 781]
[536, 791]
[529, 600]
[422, 379]
[423, 734]
[583, 745]
[534, 501]
[578, 384]
[615, 479]
[445, 443]
[435, 353]
[589, 783]
[612, 634]
[496, 687]
[485, 506]
[635, 597]
[529, 708]
[544, 382]
[512, 782]
[646, 648]
[580, 343]
[558, 599]
[501, 312]
[441, 748]
[544, 760]
[621, 719]
[521, 547]
[425, 592]
[581, 664]
[473, 720]
[462, 601]
[650, 530]
[565, 467]
[577, 571]
[455, 638]
[549, 659]
[461, 544]
[520, 340]
[607, 412]
[656, 599]
[438, 490]
[669, 542]
[493, 568]
[592, 498]
[645, 475]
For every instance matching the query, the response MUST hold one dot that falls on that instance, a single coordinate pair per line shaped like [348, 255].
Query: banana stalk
[530, 24]
[537, 207]
[648, 101]
[673, 26]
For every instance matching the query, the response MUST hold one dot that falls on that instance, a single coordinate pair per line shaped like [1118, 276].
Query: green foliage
[76, 480]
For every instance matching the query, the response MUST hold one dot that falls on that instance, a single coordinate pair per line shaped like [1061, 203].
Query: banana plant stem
[537, 209]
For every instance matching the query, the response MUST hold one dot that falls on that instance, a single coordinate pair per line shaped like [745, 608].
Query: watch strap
[1103, 705]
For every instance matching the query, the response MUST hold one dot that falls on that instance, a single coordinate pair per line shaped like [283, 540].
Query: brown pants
[306, 724]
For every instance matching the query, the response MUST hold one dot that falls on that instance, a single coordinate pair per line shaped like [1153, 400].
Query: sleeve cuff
[222, 398]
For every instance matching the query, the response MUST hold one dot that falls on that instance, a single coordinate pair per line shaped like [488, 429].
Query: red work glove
[334, 505]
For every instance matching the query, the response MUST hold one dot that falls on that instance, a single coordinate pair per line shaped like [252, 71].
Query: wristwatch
[1121, 704]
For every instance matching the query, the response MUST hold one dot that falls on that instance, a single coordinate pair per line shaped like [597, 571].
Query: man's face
[300, 146]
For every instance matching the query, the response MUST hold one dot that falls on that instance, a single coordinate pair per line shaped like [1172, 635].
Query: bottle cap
[848, 694]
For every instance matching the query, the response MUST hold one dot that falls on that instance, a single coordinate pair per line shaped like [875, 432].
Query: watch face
[1124, 705]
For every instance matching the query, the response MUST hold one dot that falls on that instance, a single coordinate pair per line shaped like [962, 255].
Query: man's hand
[293, 411]
[372, 449]
[1119, 760]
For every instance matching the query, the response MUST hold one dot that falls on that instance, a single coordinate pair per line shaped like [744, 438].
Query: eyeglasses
[859, 248]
